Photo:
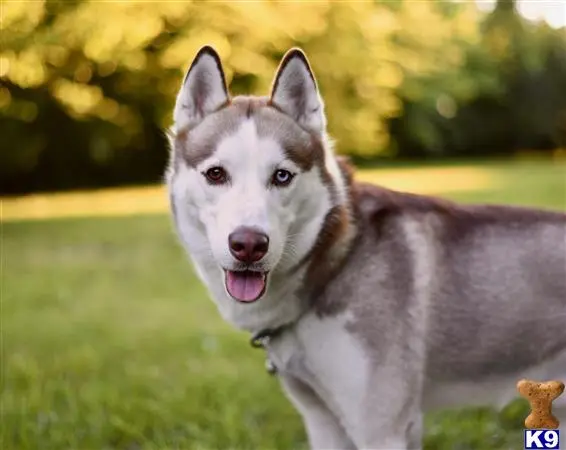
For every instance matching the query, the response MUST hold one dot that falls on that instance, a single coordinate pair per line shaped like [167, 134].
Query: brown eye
[282, 178]
[216, 175]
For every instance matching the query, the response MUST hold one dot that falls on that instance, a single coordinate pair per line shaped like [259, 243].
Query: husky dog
[373, 305]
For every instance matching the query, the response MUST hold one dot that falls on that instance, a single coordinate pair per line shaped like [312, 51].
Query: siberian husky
[374, 306]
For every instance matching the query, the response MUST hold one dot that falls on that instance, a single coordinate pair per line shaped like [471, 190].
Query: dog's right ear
[203, 91]
[295, 91]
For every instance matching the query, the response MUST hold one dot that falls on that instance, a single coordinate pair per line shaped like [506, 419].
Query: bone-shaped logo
[540, 396]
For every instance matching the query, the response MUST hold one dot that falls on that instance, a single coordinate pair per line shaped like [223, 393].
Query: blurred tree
[519, 78]
[84, 99]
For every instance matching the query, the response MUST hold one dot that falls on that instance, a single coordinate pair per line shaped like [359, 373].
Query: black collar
[261, 340]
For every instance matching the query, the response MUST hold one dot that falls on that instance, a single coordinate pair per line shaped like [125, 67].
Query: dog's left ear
[295, 92]
[203, 91]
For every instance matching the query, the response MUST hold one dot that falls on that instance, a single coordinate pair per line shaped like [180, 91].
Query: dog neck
[337, 235]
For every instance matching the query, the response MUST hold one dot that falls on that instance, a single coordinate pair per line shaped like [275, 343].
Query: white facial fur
[291, 216]
[249, 199]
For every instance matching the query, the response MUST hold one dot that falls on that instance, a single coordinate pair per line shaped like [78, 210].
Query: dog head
[251, 179]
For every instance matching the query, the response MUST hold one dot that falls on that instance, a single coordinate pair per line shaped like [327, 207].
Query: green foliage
[88, 86]
[506, 95]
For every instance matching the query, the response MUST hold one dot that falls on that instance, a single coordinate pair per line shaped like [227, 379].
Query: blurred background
[108, 339]
[88, 86]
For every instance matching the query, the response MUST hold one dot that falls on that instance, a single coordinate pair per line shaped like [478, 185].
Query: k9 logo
[542, 439]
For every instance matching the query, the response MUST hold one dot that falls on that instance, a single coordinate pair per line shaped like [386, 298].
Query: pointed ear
[203, 91]
[295, 92]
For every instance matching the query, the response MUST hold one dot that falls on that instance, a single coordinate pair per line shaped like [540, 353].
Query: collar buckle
[261, 339]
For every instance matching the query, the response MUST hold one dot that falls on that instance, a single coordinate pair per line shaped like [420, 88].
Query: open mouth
[245, 286]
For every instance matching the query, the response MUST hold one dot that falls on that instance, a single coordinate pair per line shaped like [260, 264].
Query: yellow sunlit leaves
[83, 72]
[25, 69]
[5, 63]
[465, 24]
[177, 55]
[107, 109]
[249, 62]
[82, 100]
[21, 16]
[379, 22]
[56, 55]
[134, 61]
[79, 98]
[362, 53]
[175, 12]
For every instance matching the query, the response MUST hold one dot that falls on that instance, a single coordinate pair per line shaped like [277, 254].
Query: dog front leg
[406, 435]
[384, 412]
[323, 428]
[390, 419]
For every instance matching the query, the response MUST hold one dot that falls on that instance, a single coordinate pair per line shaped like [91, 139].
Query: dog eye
[282, 178]
[216, 175]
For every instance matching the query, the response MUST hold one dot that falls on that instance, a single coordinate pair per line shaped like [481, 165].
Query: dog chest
[324, 355]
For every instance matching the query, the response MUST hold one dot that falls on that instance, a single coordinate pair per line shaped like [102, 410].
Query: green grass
[109, 341]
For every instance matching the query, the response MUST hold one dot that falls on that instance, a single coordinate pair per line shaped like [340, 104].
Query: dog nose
[247, 244]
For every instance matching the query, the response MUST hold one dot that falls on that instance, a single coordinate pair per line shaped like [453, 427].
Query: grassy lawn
[109, 341]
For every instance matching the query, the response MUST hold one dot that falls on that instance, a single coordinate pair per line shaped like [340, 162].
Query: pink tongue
[245, 286]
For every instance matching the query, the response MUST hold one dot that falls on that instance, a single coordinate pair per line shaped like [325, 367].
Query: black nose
[247, 244]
